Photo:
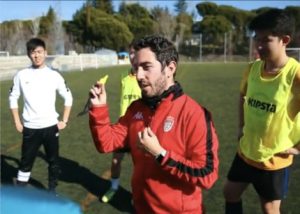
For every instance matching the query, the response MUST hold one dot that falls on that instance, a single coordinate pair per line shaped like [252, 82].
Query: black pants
[32, 140]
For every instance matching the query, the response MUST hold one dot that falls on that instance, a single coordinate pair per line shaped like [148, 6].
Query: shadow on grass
[71, 172]
[9, 172]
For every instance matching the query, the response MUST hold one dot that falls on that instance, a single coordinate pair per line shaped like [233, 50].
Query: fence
[294, 52]
[11, 64]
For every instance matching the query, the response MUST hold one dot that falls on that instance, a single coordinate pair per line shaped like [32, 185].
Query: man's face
[150, 76]
[38, 56]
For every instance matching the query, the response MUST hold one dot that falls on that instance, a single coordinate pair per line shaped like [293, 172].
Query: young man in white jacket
[38, 85]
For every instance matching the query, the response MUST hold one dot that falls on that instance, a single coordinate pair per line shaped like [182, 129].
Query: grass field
[85, 172]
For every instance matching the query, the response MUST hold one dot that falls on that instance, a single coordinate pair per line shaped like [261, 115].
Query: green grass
[215, 86]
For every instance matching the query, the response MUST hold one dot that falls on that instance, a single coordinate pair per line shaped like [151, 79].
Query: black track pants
[32, 140]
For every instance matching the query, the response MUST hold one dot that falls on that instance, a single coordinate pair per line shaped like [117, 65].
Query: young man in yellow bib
[269, 117]
[130, 91]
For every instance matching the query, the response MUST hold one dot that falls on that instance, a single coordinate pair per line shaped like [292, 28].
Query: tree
[46, 22]
[102, 31]
[180, 6]
[104, 5]
[137, 18]
[295, 13]
[214, 28]
[35, 27]
[239, 20]
[183, 28]
[184, 22]
[262, 9]
[165, 23]
[53, 32]
[14, 35]
[207, 8]
[109, 32]
[234, 20]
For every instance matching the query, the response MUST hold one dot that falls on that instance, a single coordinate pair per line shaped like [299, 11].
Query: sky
[24, 10]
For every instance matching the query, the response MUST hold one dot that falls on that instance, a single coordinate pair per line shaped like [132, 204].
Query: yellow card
[103, 79]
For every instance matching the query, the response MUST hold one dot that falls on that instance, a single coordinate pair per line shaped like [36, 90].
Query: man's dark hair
[163, 49]
[132, 43]
[277, 21]
[34, 43]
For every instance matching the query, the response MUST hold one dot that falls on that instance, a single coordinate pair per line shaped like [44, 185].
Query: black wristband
[159, 158]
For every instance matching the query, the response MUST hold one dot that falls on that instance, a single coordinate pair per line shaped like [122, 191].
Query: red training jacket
[185, 130]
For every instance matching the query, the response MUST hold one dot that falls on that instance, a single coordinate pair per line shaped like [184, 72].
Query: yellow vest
[268, 128]
[130, 91]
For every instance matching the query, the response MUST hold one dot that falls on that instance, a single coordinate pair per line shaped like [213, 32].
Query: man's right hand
[19, 127]
[98, 95]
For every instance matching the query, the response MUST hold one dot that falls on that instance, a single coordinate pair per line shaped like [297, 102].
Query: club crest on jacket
[169, 122]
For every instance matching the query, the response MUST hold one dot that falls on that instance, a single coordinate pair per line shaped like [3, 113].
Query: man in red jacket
[172, 139]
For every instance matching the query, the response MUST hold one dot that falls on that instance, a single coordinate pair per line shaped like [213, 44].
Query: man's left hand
[148, 142]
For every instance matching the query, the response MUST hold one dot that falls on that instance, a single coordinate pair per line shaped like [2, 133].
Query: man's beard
[158, 87]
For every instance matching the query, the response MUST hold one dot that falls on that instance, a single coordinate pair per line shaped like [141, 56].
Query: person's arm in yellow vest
[123, 103]
[243, 90]
[296, 93]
